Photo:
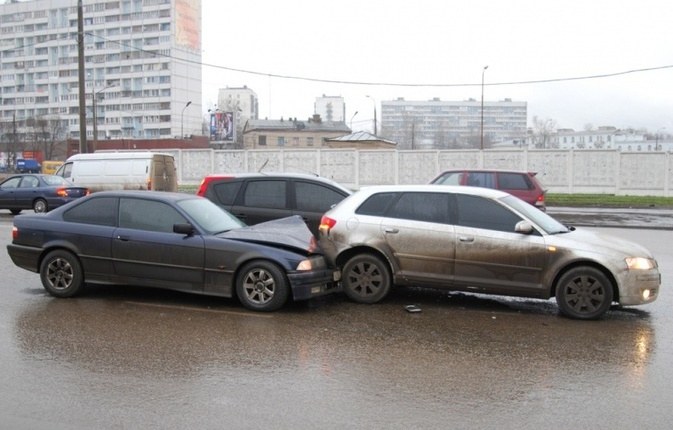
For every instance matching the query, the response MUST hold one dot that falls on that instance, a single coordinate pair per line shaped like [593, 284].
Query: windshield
[535, 215]
[210, 217]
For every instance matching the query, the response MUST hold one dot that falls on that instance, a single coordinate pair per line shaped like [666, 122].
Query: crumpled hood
[290, 232]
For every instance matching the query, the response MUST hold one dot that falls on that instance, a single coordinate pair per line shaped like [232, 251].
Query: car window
[148, 215]
[429, 207]
[55, 180]
[99, 211]
[376, 205]
[450, 178]
[481, 179]
[226, 191]
[311, 197]
[11, 183]
[478, 212]
[513, 181]
[265, 194]
[29, 182]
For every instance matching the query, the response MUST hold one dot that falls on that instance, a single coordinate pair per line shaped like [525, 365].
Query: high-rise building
[330, 108]
[142, 61]
[452, 124]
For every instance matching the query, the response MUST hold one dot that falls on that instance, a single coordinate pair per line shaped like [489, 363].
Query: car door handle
[123, 238]
[466, 239]
[390, 230]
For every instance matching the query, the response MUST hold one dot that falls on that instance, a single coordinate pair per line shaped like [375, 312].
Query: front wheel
[40, 206]
[584, 293]
[262, 286]
[61, 274]
[366, 279]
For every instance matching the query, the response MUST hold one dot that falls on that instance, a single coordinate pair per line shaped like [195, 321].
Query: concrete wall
[561, 171]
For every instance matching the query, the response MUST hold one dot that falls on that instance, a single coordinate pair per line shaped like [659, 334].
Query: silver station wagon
[483, 241]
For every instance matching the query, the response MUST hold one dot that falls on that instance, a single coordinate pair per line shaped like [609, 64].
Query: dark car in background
[175, 241]
[38, 192]
[522, 184]
[260, 197]
[481, 241]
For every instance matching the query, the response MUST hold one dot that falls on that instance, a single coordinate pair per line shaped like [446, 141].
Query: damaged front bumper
[313, 283]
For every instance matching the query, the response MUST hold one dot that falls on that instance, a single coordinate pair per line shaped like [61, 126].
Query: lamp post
[356, 112]
[94, 96]
[370, 97]
[482, 107]
[182, 121]
[656, 145]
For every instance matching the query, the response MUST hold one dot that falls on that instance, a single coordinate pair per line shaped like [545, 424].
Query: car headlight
[640, 263]
[312, 263]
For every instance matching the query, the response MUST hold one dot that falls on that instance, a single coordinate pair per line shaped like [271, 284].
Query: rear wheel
[40, 206]
[366, 279]
[262, 286]
[61, 274]
[584, 293]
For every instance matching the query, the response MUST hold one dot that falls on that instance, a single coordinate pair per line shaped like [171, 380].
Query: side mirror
[186, 229]
[523, 227]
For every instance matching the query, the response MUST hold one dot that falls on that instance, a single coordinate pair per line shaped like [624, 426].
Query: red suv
[521, 184]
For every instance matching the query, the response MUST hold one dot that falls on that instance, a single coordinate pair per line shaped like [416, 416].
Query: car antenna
[263, 166]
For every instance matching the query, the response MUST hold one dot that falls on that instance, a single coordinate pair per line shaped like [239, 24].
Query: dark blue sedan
[38, 192]
[174, 241]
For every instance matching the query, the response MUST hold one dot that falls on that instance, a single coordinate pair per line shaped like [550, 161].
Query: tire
[584, 293]
[61, 274]
[15, 211]
[40, 206]
[262, 286]
[366, 279]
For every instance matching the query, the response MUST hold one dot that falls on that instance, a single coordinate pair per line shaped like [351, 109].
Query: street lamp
[374, 113]
[482, 107]
[656, 145]
[356, 112]
[94, 96]
[182, 121]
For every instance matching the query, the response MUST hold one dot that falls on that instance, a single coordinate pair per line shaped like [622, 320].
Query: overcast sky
[430, 48]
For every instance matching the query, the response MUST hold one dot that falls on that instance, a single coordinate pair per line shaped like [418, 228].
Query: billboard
[222, 126]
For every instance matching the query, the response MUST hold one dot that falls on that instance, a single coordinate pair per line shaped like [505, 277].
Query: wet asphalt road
[122, 358]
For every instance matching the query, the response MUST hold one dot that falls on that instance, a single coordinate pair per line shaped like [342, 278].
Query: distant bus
[49, 167]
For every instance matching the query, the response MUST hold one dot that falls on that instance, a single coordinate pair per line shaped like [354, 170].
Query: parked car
[484, 241]
[169, 240]
[524, 185]
[38, 192]
[260, 197]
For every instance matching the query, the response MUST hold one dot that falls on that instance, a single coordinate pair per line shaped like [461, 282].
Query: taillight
[326, 224]
[15, 233]
[62, 192]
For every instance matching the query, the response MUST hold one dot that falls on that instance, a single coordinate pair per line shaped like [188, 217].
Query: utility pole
[82, 93]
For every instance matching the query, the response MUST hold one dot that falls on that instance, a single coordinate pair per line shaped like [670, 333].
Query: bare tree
[543, 129]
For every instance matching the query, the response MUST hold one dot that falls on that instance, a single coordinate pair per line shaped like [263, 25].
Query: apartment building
[452, 124]
[142, 67]
[330, 108]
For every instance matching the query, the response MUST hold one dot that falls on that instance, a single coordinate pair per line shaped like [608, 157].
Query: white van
[121, 171]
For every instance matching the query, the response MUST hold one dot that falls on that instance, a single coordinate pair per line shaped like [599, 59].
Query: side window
[429, 207]
[265, 194]
[29, 182]
[148, 215]
[513, 181]
[315, 197]
[11, 183]
[481, 179]
[483, 213]
[226, 192]
[376, 205]
[450, 178]
[98, 211]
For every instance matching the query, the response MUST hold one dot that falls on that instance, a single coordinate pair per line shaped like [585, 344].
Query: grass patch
[608, 201]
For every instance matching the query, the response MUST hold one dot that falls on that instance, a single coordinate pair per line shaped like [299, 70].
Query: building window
[281, 141]
[261, 140]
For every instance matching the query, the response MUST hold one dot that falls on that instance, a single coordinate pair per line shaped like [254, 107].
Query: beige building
[291, 133]
[360, 140]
